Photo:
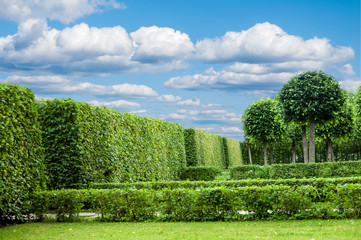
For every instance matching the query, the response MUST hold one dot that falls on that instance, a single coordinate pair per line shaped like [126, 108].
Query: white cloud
[351, 84]
[176, 116]
[155, 44]
[267, 42]
[65, 10]
[119, 104]
[231, 130]
[190, 102]
[347, 69]
[85, 50]
[60, 84]
[168, 98]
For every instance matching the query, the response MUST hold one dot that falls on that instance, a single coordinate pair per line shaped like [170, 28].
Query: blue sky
[197, 63]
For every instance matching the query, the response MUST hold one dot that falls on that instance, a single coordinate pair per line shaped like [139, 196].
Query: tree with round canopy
[312, 97]
[262, 121]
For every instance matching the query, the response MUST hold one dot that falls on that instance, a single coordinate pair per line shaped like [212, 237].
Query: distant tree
[358, 101]
[262, 121]
[311, 97]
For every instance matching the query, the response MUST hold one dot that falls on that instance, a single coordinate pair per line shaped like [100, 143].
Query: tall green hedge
[204, 148]
[21, 152]
[91, 144]
[233, 152]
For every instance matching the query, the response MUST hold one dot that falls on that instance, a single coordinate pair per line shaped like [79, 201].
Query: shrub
[21, 152]
[205, 173]
[85, 143]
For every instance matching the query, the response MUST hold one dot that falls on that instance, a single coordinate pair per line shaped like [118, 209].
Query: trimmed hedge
[210, 204]
[316, 182]
[233, 152]
[205, 173]
[208, 149]
[21, 152]
[85, 143]
[298, 170]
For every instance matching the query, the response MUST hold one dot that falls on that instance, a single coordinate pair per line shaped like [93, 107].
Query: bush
[299, 170]
[85, 144]
[206, 173]
[21, 152]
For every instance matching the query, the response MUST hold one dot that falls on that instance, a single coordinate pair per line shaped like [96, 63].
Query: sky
[197, 63]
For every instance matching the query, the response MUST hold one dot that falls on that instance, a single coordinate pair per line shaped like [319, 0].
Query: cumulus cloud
[351, 84]
[266, 42]
[64, 11]
[60, 84]
[85, 50]
[156, 44]
[190, 102]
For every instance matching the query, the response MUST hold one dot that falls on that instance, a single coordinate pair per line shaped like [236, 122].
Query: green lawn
[310, 229]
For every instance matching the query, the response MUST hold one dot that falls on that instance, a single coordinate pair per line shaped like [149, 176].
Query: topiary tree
[262, 121]
[312, 97]
[341, 126]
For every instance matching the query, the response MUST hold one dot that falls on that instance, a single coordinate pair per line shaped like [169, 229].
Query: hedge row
[204, 173]
[211, 204]
[315, 182]
[21, 152]
[298, 170]
[86, 144]
[208, 149]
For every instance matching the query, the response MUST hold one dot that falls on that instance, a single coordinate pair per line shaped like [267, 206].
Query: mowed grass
[306, 229]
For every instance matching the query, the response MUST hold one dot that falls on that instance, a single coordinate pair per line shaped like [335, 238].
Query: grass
[310, 229]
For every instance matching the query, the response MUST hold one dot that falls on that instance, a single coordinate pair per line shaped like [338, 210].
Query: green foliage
[202, 173]
[299, 170]
[85, 144]
[262, 120]
[204, 148]
[358, 101]
[311, 95]
[233, 152]
[208, 204]
[315, 182]
[21, 152]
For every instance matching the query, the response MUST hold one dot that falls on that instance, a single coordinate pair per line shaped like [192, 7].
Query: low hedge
[298, 170]
[210, 204]
[315, 182]
[205, 173]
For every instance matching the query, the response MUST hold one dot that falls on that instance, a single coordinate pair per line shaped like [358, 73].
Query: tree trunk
[328, 150]
[305, 148]
[249, 153]
[312, 148]
[332, 154]
[293, 151]
[271, 154]
[265, 152]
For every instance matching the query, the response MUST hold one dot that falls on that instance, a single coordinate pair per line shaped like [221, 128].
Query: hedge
[315, 182]
[205, 173]
[210, 204]
[84, 144]
[233, 153]
[21, 152]
[208, 149]
[298, 170]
